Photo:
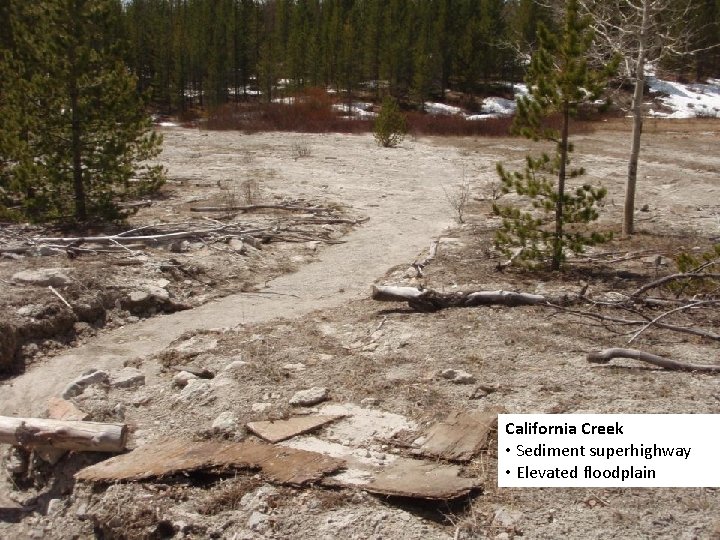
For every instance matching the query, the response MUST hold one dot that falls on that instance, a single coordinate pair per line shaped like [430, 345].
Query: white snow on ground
[686, 100]
[357, 108]
[441, 108]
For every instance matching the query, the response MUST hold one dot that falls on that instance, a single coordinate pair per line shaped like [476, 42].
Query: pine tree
[390, 126]
[87, 132]
[559, 81]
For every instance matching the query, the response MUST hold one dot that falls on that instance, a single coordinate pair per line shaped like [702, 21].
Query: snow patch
[686, 100]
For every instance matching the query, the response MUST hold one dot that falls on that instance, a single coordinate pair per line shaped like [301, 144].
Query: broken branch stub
[63, 434]
[604, 357]
[431, 300]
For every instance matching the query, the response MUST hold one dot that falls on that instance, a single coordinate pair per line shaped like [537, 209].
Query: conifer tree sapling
[390, 125]
[555, 220]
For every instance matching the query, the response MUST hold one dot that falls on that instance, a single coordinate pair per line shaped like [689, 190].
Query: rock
[257, 501]
[82, 512]
[312, 245]
[197, 344]
[30, 310]
[180, 247]
[54, 506]
[448, 374]
[195, 390]
[505, 518]
[235, 365]
[258, 522]
[43, 277]
[225, 423]
[294, 367]
[16, 461]
[483, 390]
[62, 409]
[312, 396]
[76, 387]
[237, 246]
[252, 242]
[200, 373]
[260, 407]
[457, 376]
[463, 377]
[369, 402]
[182, 378]
[30, 349]
[128, 377]
[81, 327]
[162, 283]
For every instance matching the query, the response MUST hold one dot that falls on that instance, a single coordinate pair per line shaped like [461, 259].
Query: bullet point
[507, 449]
[507, 472]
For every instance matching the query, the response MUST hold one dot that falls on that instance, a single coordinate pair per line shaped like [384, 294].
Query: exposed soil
[318, 328]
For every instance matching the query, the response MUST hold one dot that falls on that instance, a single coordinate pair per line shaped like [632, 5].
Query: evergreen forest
[209, 52]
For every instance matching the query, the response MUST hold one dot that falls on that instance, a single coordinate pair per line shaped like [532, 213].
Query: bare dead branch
[604, 357]
[251, 207]
[671, 278]
[692, 305]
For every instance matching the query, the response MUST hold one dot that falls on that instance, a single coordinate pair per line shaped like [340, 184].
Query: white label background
[700, 432]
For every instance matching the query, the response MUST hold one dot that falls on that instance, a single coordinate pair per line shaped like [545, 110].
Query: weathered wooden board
[459, 437]
[280, 430]
[279, 464]
[422, 480]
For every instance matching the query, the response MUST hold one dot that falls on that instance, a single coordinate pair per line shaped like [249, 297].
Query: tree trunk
[631, 183]
[559, 206]
[76, 142]
[63, 434]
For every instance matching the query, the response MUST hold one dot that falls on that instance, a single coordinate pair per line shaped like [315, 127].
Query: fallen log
[430, 300]
[63, 434]
[251, 207]
[604, 357]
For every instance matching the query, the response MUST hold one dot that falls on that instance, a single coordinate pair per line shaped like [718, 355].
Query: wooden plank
[279, 464]
[280, 430]
[459, 437]
[422, 480]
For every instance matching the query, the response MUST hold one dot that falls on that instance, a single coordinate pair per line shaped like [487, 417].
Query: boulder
[128, 377]
[43, 277]
[311, 396]
[90, 377]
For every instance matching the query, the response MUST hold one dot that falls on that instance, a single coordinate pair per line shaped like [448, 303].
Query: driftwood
[120, 238]
[63, 434]
[430, 300]
[420, 264]
[251, 207]
[604, 357]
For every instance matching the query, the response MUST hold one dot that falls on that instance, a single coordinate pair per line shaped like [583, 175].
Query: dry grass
[226, 495]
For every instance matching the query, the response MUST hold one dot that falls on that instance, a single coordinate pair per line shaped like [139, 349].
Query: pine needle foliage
[555, 218]
[390, 125]
[76, 137]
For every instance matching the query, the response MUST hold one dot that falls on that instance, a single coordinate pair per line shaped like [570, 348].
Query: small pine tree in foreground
[555, 219]
[77, 138]
[390, 125]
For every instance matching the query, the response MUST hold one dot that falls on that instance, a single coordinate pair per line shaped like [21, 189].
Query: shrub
[390, 125]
